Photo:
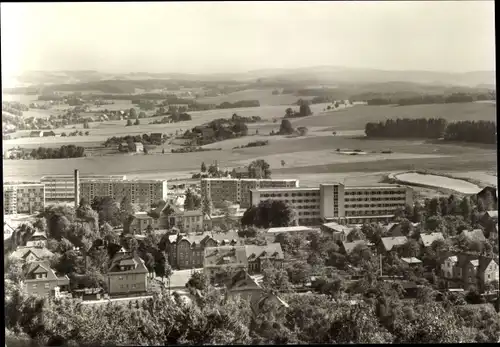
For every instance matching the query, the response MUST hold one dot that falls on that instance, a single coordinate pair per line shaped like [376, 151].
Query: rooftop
[388, 186]
[283, 189]
[289, 229]
[90, 180]
[428, 239]
[390, 242]
[411, 260]
[250, 179]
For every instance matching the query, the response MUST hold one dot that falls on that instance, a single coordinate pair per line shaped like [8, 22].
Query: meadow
[265, 97]
[356, 117]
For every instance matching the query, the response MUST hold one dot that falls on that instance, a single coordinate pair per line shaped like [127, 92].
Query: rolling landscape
[304, 155]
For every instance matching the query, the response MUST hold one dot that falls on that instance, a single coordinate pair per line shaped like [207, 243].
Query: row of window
[376, 199]
[306, 213]
[286, 195]
[368, 213]
[372, 205]
[376, 192]
[133, 286]
[46, 285]
[302, 207]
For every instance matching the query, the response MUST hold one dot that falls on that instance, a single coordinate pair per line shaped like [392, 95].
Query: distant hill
[345, 81]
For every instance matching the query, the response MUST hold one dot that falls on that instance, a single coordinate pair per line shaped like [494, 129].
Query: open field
[354, 118]
[100, 131]
[458, 185]
[265, 97]
[303, 155]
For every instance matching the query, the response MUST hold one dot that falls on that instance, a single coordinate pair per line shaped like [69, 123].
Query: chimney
[77, 188]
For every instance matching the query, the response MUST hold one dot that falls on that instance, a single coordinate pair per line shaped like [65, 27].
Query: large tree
[269, 213]
[286, 127]
[108, 210]
[259, 169]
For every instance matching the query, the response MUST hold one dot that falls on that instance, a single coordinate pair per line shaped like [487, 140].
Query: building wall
[490, 274]
[39, 287]
[127, 283]
[140, 191]
[238, 190]
[10, 200]
[183, 256]
[36, 243]
[339, 203]
[139, 225]
[24, 198]
[375, 201]
[61, 188]
[306, 202]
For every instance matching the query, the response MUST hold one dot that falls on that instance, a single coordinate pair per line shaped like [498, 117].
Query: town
[98, 239]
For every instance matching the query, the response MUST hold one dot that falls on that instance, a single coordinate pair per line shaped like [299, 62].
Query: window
[47, 286]
[34, 286]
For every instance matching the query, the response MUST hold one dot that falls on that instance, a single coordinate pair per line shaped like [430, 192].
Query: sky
[209, 37]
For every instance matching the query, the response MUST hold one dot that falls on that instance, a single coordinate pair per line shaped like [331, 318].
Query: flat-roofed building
[338, 203]
[237, 190]
[138, 191]
[23, 198]
[62, 187]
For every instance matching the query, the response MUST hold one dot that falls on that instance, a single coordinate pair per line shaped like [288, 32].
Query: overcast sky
[231, 37]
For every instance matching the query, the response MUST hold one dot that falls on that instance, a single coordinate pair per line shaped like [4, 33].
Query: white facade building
[23, 198]
[62, 187]
[238, 190]
[335, 202]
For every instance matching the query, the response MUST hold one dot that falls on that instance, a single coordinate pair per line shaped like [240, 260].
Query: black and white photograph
[249, 173]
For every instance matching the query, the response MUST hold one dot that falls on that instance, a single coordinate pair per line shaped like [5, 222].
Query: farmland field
[356, 117]
[100, 131]
[438, 181]
[312, 157]
[265, 97]
[302, 155]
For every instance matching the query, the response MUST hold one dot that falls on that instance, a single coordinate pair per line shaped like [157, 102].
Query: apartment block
[23, 198]
[238, 190]
[61, 187]
[337, 203]
[138, 191]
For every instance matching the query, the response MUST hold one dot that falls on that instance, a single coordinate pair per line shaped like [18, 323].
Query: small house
[36, 133]
[428, 239]
[127, 274]
[138, 147]
[389, 243]
[41, 279]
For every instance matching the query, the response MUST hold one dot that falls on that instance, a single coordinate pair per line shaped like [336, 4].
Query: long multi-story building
[61, 187]
[336, 202]
[23, 198]
[238, 190]
[138, 191]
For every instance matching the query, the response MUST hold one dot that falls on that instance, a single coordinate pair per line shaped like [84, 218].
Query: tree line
[432, 128]
[69, 151]
[241, 103]
[304, 110]
[144, 139]
[433, 99]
